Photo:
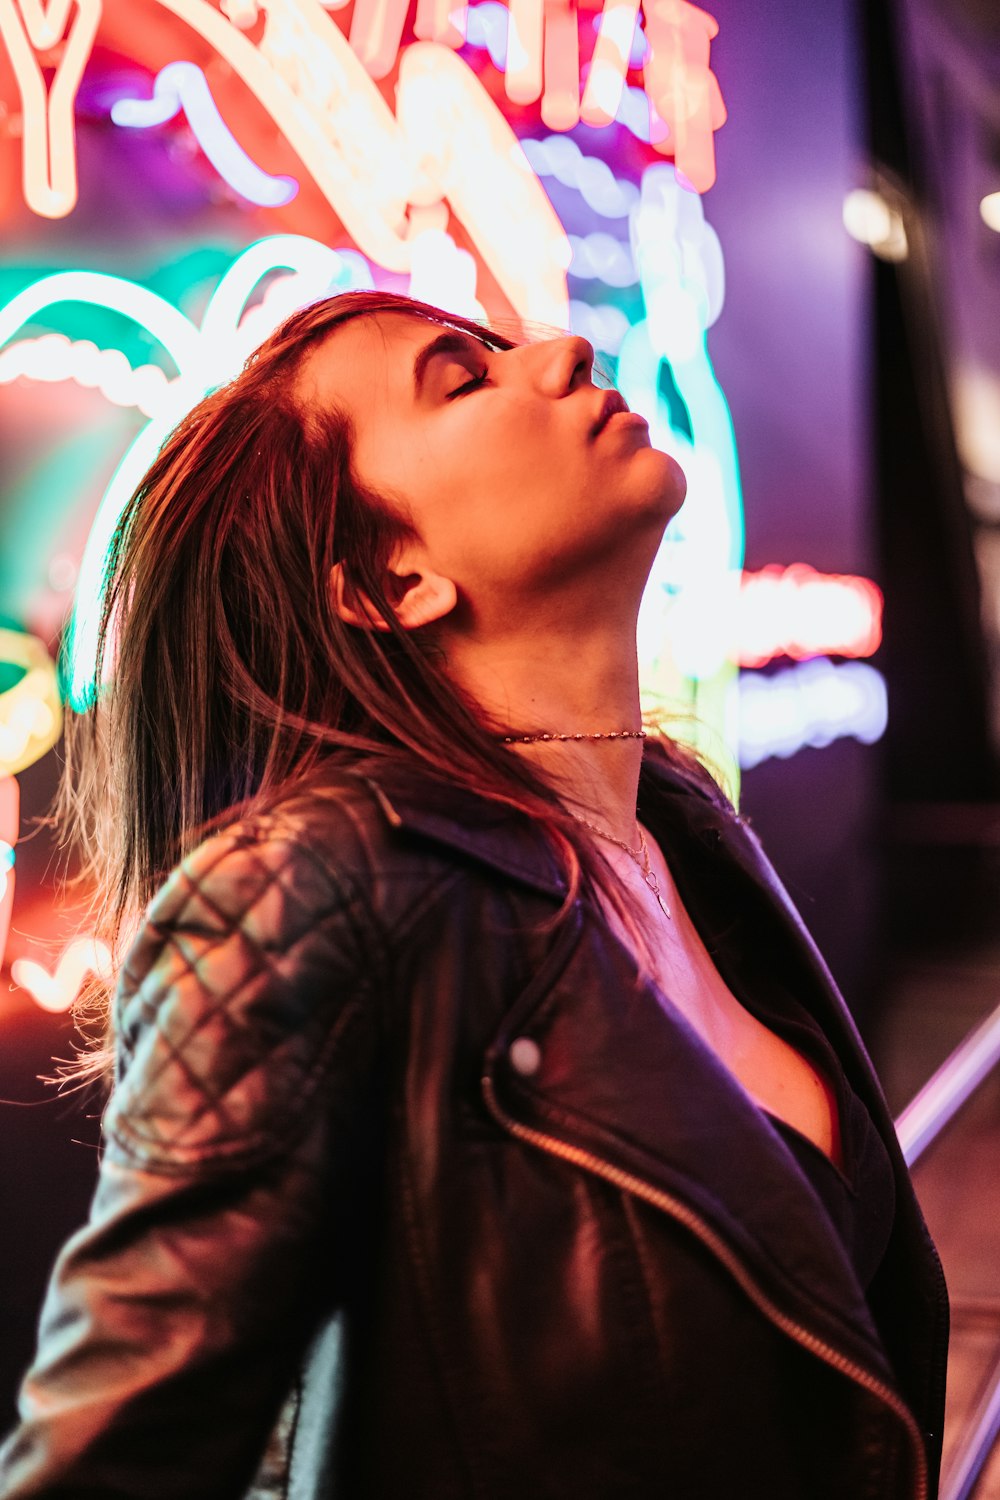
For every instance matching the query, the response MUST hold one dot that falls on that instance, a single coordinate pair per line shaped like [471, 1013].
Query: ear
[417, 598]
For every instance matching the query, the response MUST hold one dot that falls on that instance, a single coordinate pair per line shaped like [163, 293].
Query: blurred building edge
[933, 73]
[933, 94]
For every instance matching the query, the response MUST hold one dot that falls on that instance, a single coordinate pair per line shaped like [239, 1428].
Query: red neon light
[800, 613]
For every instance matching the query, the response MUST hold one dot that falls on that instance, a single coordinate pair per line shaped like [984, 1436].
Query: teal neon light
[204, 357]
[666, 372]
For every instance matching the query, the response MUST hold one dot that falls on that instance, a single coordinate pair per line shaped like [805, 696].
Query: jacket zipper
[684, 1215]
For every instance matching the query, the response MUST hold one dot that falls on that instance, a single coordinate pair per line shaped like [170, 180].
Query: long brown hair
[233, 674]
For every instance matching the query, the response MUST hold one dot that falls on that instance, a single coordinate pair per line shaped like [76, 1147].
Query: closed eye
[469, 385]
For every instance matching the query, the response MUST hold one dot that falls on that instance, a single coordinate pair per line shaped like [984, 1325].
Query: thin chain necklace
[640, 856]
[609, 734]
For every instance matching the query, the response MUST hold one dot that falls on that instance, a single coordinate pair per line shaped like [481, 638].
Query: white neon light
[487, 31]
[635, 49]
[638, 114]
[799, 612]
[32, 30]
[169, 327]
[599, 256]
[560, 157]
[183, 86]
[53, 357]
[444, 275]
[989, 210]
[55, 992]
[811, 704]
[604, 325]
[871, 220]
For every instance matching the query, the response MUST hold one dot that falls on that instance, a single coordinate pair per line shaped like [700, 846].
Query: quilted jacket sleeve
[175, 1319]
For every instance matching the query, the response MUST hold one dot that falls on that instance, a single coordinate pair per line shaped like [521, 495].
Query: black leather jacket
[403, 1195]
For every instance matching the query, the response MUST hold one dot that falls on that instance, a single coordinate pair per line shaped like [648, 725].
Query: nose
[570, 362]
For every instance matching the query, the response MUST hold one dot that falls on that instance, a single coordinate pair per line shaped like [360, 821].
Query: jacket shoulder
[255, 964]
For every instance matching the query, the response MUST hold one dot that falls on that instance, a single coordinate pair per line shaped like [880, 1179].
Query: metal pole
[982, 1430]
[944, 1094]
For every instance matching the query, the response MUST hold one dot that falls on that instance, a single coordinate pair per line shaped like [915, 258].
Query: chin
[680, 478]
[667, 494]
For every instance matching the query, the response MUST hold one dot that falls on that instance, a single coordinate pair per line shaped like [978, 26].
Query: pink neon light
[800, 613]
[10, 811]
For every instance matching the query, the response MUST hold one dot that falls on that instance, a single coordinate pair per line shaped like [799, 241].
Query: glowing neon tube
[48, 152]
[183, 86]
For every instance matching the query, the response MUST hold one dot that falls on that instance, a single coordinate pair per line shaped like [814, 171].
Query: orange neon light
[525, 32]
[561, 99]
[441, 21]
[609, 63]
[57, 990]
[318, 86]
[447, 140]
[41, 35]
[682, 87]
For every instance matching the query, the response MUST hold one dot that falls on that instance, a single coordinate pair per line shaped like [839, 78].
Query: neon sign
[798, 612]
[57, 990]
[30, 711]
[811, 704]
[32, 30]
[183, 86]
[204, 356]
[319, 88]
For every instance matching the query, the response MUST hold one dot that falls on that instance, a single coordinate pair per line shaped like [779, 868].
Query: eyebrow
[445, 343]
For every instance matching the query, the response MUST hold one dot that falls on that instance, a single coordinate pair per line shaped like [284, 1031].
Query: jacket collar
[418, 803]
[691, 820]
[721, 871]
[414, 800]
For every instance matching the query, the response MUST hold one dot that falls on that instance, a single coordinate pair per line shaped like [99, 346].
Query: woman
[485, 1123]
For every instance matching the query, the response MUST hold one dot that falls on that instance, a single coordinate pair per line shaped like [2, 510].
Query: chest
[778, 1078]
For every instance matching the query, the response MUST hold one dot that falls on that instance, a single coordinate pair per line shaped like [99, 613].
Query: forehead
[369, 357]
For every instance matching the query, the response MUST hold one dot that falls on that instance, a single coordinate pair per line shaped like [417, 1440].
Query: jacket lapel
[630, 1084]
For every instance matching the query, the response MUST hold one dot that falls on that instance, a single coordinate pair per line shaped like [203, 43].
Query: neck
[580, 685]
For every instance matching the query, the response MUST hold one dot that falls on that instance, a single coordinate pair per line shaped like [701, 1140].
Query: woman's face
[490, 454]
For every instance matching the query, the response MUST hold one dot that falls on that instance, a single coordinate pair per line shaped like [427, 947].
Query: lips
[613, 402]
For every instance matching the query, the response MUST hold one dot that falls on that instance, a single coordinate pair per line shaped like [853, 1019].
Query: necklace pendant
[654, 886]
